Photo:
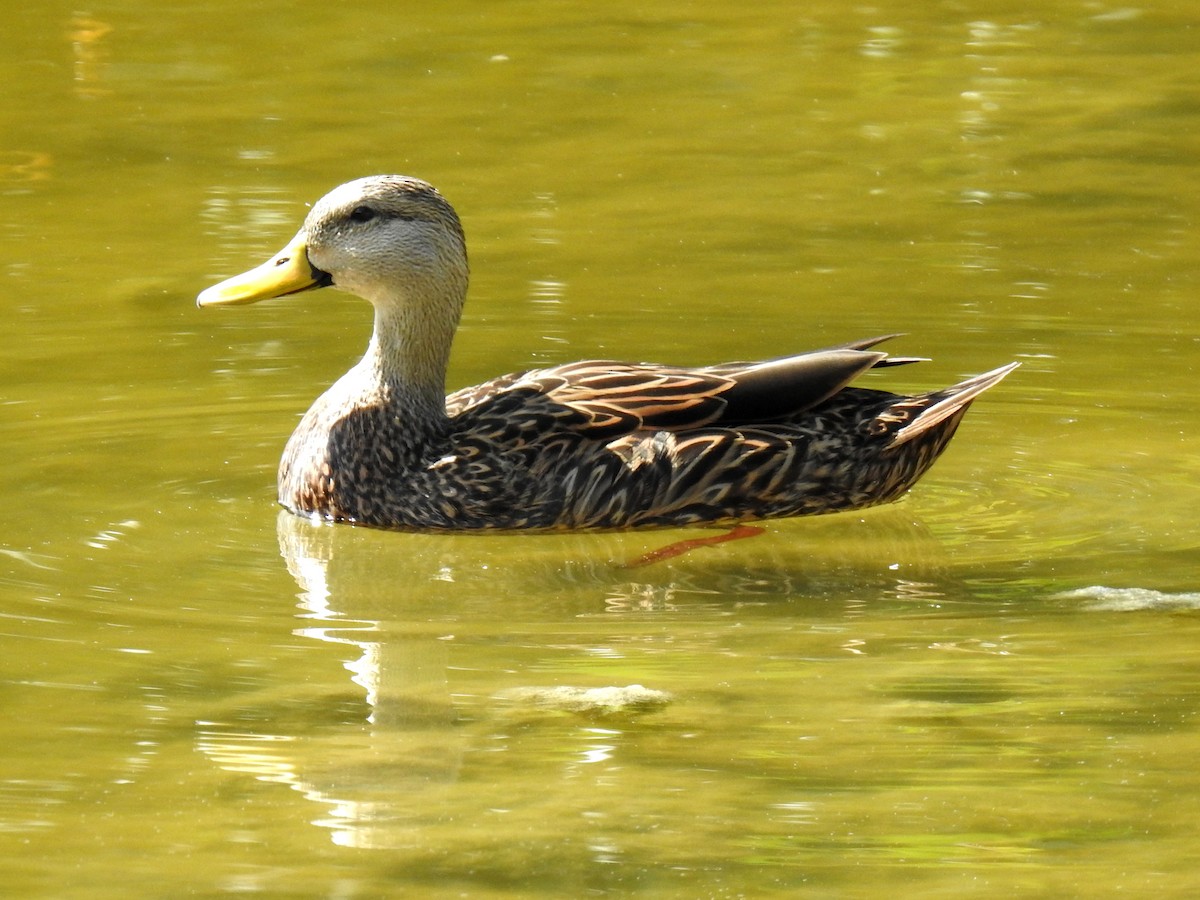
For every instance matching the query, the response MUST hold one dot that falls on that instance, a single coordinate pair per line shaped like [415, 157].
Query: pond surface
[991, 687]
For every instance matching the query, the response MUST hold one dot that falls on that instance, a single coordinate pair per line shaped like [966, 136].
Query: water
[202, 697]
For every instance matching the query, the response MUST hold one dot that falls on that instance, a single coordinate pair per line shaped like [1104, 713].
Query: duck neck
[406, 362]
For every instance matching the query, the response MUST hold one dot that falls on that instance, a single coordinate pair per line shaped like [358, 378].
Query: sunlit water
[988, 688]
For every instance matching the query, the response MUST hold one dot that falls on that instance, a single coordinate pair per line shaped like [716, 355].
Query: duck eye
[362, 214]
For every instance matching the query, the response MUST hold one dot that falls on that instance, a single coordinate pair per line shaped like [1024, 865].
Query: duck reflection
[464, 650]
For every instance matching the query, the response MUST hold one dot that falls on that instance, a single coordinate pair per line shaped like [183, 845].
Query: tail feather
[950, 402]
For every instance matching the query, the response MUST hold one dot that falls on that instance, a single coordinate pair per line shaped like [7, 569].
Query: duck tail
[949, 403]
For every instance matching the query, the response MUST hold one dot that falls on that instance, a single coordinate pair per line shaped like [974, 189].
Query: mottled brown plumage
[588, 445]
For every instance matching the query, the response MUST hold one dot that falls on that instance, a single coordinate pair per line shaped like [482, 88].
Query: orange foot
[681, 547]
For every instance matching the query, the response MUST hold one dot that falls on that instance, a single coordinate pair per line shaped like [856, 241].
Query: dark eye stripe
[362, 214]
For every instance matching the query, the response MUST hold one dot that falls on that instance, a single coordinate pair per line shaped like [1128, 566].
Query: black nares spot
[362, 214]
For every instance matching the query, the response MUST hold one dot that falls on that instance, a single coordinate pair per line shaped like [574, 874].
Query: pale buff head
[390, 239]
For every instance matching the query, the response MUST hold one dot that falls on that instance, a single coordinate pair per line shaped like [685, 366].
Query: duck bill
[287, 272]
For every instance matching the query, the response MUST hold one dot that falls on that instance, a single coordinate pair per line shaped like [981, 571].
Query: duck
[589, 445]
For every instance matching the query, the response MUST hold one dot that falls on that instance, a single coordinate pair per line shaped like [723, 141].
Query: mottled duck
[587, 445]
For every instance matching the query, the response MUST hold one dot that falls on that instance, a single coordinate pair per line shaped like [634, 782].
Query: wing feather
[606, 398]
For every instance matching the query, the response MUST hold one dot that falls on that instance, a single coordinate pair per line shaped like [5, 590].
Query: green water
[201, 697]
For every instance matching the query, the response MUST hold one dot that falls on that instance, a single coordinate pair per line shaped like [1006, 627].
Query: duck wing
[606, 398]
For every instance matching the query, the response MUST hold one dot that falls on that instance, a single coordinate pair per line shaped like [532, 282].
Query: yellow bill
[288, 272]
